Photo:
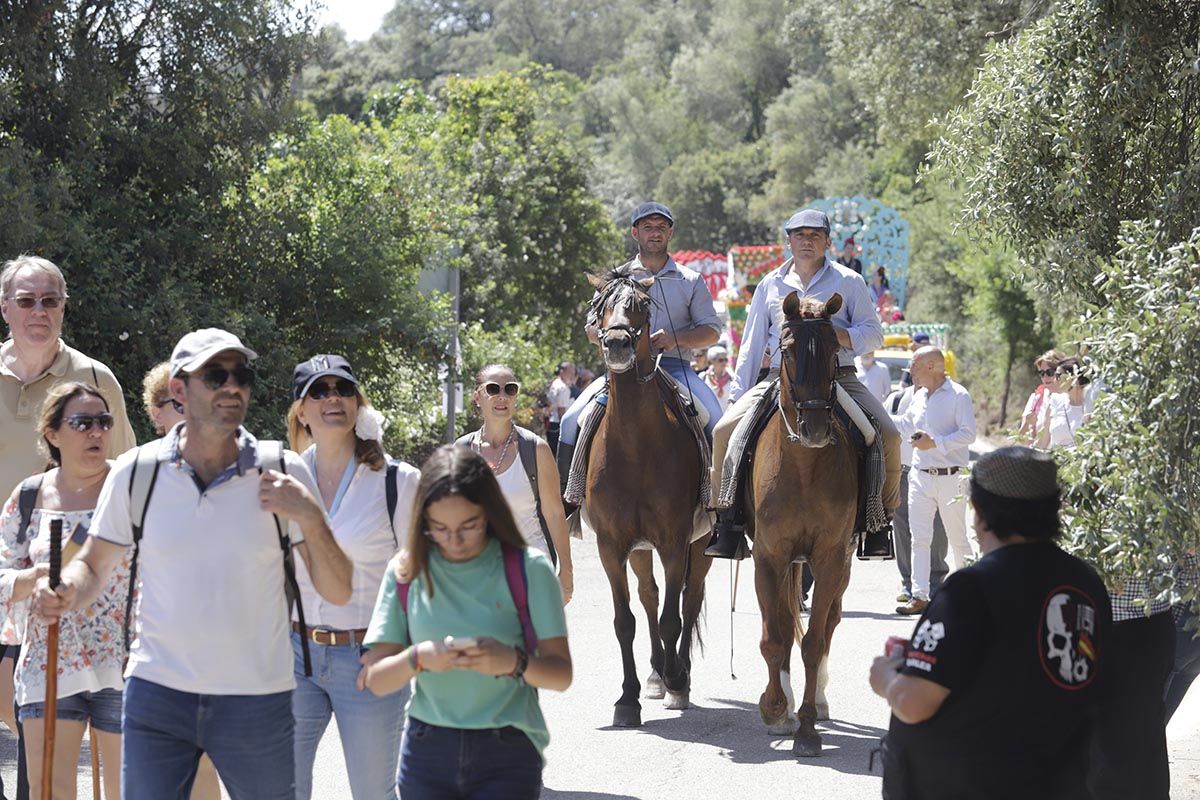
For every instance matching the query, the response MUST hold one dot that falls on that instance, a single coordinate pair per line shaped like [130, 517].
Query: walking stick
[94, 746]
[51, 704]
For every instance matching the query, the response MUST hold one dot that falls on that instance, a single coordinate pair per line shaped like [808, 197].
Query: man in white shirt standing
[211, 667]
[560, 398]
[940, 423]
[873, 375]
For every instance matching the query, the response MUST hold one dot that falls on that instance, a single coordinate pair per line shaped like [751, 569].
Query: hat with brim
[197, 348]
[319, 366]
[649, 210]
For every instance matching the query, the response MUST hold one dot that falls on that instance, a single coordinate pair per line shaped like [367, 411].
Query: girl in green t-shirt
[475, 728]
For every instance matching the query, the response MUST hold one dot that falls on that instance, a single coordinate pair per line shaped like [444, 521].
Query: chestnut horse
[642, 489]
[804, 492]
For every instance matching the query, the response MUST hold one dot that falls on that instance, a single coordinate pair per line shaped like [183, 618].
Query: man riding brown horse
[810, 274]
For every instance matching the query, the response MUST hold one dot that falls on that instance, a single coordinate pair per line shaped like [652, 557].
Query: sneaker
[913, 607]
[904, 596]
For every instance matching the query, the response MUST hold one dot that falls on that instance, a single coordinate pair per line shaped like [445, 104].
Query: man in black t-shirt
[996, 693]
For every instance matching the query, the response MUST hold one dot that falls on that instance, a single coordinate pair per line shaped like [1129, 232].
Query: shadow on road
[738, 732]
[878, 615]
[553, 795]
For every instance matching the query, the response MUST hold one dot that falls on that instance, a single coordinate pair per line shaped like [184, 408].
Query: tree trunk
[1008, 365]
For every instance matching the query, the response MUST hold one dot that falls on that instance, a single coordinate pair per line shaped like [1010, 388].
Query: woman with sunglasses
[475, 729]
[75, 426]
[525, 468]
[1045, 366]
[1067, 409]
[340, 436]
[164, 411]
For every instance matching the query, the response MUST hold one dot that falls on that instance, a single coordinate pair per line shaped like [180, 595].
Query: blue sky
[359, 18]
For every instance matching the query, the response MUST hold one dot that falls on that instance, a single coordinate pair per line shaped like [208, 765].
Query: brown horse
[804, 492]
[643, 489]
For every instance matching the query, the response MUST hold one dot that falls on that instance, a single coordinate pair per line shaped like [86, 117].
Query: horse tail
[693, 631]
[795, 591]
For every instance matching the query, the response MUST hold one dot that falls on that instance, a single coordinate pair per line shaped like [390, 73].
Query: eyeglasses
[1047, 373]
[84, 422]
[720, 360]
[468, 531]
[49, 302]
[215, 377]
[175, 404]
[342, 387]
[511, 388]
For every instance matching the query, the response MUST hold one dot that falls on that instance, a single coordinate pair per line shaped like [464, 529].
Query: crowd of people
[165, 548]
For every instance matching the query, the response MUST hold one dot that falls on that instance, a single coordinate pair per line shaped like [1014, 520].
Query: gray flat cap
[1019, 473]
[808, 218]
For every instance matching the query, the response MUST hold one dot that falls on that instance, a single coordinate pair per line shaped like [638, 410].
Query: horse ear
[596, 281]
[833, 306]
[791, 304]
[646, 283]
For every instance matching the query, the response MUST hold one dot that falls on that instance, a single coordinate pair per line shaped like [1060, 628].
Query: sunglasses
[493, 389]
[84, 422]
[215, 377]
[175, 404]
[1046, 373]
[341, 387]
[49, 302]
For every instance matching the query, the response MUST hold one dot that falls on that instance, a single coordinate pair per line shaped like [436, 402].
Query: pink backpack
[518, 587]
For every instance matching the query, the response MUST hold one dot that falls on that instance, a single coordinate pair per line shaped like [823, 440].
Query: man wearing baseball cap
[998, 691]
[809, 273]
[210, 669]
[682, 319]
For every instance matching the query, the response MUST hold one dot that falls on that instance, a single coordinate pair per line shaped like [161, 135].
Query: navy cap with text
[649, 210]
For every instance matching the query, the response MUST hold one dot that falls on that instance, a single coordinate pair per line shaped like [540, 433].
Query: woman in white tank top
[499, 442]
[1064, 412]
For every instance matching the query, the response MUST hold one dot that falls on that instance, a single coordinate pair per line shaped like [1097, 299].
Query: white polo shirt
[361, 528]
[210, 611]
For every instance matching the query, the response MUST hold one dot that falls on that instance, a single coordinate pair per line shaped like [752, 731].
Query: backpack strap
[518, 587]
[26, 501]
[402, 588]
[270, 456]
[527, 442]
[141, 486]
[392, 494]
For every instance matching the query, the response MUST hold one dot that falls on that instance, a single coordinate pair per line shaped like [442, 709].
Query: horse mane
[619, 280]
[810, 308]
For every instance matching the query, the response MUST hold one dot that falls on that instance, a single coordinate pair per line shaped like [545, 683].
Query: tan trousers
[723, 460]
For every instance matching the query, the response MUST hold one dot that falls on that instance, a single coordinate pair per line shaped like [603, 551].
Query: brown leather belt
[330, 638]
[942, 470]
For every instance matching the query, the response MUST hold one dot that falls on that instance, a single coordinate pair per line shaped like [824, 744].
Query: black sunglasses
[1046, 373]
[84, 422]
[175, 404]
[343, 388]
[511, 388]
[215, 377]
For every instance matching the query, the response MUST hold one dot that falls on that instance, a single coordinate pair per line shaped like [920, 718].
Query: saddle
[864, 437]
[679, 404]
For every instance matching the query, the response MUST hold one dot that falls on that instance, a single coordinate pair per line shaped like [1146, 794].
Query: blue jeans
[248, 738]
[568, 432]
[450, 764]
[370, 727]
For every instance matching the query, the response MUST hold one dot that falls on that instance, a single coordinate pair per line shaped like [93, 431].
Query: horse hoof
[785, 727]
[627, 717]
[655, 688]
[822, 711]
[676, 701]
[807, 745]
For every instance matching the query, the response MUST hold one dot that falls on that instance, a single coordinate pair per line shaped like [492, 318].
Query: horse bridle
[800, 406]
[634, 335]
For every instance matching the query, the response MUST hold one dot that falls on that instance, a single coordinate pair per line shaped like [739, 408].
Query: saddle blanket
[589, 422]
[875, 518]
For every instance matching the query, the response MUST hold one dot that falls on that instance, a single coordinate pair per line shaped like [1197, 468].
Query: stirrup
[729, 537]
[876, 545]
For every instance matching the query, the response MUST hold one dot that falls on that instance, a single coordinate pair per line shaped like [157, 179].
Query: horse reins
[800, 406]
[634, 334]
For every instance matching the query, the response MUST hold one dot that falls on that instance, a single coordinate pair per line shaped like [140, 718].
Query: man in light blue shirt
[940, 423]
[682, 319]
[810, 273]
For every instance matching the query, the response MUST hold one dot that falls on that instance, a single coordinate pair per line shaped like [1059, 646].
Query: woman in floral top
[75, 425]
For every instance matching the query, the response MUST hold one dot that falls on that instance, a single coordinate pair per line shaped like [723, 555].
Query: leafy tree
[710, 192]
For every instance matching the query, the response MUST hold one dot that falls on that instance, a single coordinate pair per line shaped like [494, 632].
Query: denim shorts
[102, 709]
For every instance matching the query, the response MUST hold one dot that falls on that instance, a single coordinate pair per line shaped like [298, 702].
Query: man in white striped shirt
[940, 423]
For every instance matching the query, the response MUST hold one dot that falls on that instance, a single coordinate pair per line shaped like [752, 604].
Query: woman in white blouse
[340, 435]
[524, 467]
[1066, 410]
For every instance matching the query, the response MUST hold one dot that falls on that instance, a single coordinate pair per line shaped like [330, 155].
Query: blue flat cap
[808, 218]
[649, 210]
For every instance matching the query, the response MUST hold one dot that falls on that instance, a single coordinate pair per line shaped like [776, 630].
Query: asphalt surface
[719, 747]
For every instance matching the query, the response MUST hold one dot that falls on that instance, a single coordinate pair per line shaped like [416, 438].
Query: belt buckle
[317, 633]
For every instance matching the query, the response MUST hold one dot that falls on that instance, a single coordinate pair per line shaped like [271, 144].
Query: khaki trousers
[853, 387]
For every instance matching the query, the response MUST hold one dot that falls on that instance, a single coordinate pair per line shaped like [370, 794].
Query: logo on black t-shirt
[1067, 638]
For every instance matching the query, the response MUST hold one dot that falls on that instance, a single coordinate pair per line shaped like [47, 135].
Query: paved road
[718, 748]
